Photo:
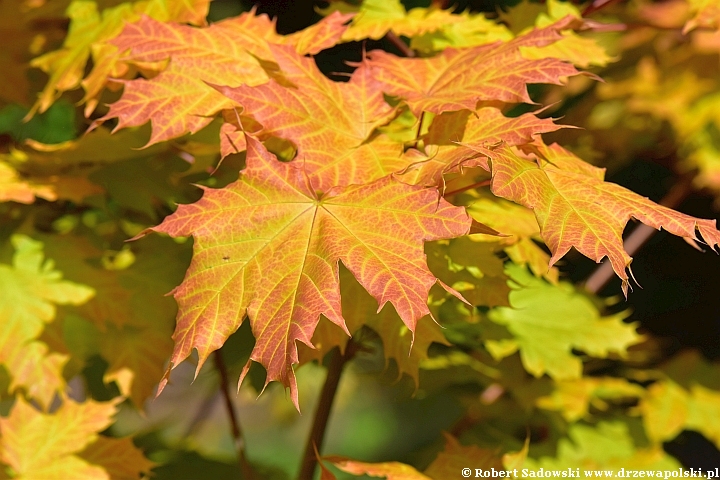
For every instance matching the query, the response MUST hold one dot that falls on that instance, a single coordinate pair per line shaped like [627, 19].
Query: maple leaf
[575, 207]
[549, 321]
[448, 140]
[375, 18]
[519, 225]
[606, 446]
[706, 14]
[118, 457]
[58, 159]
[572, 398]
[179, 100]
[331, 123]
[387, 470]
[136, 357]
[457, 79]
[36, 370]
[268, 246]
[476, 30]
[131, 317]
[38, 445]
[89, 29]
[15, 189]
[31, 288]
[470, 30]
[408, 348]
[471, 268]
[668, 409]
[576, 49]
[455, 457]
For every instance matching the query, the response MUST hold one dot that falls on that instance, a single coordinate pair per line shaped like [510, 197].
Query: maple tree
[410, 213]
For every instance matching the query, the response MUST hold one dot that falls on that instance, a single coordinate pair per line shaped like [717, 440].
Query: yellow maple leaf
[31, 287]
[375, 18]
[89, 29]
[65, 444]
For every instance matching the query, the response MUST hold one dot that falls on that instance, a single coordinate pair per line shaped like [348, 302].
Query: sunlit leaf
[277, 260]
[549, 321]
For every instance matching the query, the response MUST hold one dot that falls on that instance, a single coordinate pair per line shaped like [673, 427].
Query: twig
[322, 413]
[402, 46]
[245, 468]
[597, 5]
[602, 275]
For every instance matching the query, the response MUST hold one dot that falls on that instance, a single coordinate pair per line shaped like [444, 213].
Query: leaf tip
[164, 381]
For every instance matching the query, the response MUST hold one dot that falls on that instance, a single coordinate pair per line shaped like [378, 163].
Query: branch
[402, 46]
[322, 413]
[245, 468]
[602, 275]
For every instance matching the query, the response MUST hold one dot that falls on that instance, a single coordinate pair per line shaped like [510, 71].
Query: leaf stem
[335, 367]
[398, 42]
[597, 5]
[418, 134]
[245, 468]
[641, 234]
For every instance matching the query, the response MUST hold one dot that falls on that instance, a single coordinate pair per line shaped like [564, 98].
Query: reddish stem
[402, 46]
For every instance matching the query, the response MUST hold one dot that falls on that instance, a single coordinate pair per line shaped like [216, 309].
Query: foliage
[406, 218]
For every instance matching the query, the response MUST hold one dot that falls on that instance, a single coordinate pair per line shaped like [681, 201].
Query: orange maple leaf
[407, 348]
[89, 31]
[575, 207]
[387, 470]
[268, 246]
[178, 100]
[331, 123]
[14, 188]
[454, 458]
[459, 79]
[447, 140]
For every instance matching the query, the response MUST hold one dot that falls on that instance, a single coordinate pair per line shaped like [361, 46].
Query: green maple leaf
[549, 321]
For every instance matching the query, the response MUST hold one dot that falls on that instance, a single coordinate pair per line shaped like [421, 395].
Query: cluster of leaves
[415, 182]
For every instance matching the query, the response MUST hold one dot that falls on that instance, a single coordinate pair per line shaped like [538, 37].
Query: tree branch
[335, 367]
[245, 468]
